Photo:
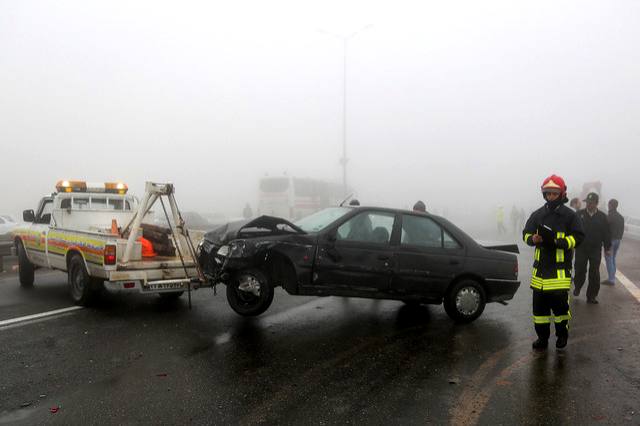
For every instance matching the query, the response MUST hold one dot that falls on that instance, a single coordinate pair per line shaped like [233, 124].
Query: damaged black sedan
[366, 252]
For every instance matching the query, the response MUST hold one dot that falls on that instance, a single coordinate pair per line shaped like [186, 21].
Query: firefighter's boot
[540, 344]
[561, 342]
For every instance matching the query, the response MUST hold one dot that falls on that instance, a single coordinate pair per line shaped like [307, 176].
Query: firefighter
[554, 230]
[500, 220]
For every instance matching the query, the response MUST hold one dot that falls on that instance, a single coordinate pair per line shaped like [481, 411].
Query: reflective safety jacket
[561, 231]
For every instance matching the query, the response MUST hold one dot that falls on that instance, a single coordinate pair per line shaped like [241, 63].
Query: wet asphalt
[136, 359]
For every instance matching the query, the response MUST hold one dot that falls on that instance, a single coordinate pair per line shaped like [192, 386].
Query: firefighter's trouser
[593, 258]
[544, 302]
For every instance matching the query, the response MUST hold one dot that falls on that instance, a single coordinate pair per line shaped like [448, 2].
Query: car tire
[26, 270]
[82, 288]
[465, 301]
[249, 293]
[174, 295]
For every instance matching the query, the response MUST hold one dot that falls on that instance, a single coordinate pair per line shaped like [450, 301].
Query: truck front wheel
[249, 293]
[81, 287]
[25, 268]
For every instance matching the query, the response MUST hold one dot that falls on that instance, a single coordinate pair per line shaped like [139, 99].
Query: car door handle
[454, 262]
[384, 257]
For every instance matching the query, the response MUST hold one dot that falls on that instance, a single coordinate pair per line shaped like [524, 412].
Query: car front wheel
[249, 293]
[465, 301]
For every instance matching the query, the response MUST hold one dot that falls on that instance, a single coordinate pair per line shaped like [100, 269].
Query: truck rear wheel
[81, 287]
[249, 293]
[25, 268]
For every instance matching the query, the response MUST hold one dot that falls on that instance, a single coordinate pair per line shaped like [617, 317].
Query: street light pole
[345, 42]
[344, 119]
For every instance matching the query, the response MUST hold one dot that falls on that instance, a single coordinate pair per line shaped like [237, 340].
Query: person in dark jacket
[419, 206]
[554, 230]
[597, 234]
[616, 227]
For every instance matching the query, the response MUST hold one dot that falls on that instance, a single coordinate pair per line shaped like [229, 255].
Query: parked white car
[7, 225]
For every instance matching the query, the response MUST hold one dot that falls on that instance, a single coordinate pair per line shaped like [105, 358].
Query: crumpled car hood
[261, 226]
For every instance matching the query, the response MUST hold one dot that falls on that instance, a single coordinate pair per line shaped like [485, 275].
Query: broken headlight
[233, 249]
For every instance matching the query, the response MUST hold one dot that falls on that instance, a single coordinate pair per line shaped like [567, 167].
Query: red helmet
[554, 183]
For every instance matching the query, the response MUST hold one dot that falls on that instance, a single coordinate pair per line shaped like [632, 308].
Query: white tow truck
[94, 233]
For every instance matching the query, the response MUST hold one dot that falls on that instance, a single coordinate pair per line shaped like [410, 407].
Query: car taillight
[515, 269]
[109, 255]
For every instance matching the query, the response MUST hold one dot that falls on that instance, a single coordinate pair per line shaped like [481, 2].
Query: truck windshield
[320, 220]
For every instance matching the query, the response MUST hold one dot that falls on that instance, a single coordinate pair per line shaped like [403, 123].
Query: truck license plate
[164, 286]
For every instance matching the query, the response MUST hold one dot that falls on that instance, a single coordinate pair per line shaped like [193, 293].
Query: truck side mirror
[28, 216]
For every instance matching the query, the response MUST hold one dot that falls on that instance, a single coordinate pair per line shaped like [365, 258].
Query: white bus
[293, 198]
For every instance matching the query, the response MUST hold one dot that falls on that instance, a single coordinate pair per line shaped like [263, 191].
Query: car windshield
[320, 220]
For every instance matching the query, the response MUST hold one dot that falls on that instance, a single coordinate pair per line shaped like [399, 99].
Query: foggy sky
[462, 104]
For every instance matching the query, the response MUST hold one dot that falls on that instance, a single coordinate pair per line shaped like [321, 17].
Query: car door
[356, 256]
[427, 258]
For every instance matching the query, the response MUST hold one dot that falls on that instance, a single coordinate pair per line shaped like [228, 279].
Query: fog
[465, 105]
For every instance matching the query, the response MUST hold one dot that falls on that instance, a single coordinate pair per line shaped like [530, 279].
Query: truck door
[38, 232]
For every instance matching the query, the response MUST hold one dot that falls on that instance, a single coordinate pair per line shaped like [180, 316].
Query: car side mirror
[332, 236]
[28, 216]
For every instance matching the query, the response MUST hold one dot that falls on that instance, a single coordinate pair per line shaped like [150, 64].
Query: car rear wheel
[26, 271]
[82, 287]
[465, 301]
[249, 293]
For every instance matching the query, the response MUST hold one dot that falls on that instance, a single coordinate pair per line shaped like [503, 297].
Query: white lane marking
[629, 285]
[35, 321]
[4, 323]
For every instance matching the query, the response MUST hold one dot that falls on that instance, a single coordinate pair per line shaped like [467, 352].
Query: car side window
[421, 231]
[371, 227]
[450, 242]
